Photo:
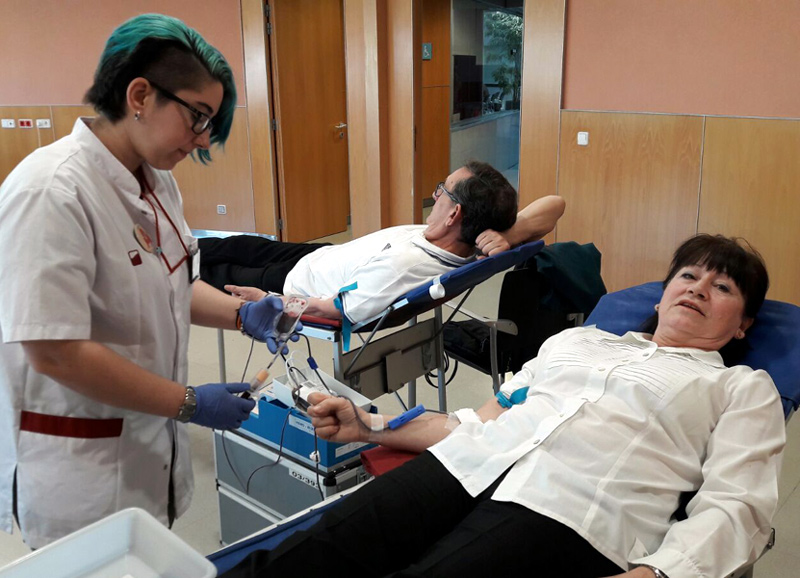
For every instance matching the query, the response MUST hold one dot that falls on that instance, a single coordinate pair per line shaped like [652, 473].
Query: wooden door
[308, 79]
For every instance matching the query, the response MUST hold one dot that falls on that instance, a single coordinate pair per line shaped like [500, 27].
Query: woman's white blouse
[614, 429]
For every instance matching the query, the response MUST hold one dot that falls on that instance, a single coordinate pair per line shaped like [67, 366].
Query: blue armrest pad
[459, 280]
[774, 337]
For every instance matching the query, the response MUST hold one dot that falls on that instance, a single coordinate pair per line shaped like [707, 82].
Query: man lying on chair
[371, 272]
[578, 465]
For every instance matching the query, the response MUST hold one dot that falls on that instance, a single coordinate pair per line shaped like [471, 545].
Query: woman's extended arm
[335, 419]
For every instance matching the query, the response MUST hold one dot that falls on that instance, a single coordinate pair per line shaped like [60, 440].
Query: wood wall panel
[64, 118]
[543, 49]
[433, 130]
[436, 30]
[400, 60]
[435, 141]
[633, 191]
[365, 35]
[751, 189]
[17, 143]
[258, 117]
[224, 181]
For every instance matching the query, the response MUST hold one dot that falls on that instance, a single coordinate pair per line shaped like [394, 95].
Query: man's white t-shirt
[385, 265]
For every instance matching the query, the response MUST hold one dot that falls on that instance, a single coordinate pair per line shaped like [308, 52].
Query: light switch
[9, 123]
[583, 139]
[222, 210]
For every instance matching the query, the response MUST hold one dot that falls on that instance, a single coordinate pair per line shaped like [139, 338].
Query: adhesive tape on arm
[467, 415]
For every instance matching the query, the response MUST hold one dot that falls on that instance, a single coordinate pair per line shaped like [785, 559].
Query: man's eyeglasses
[202, 122]
[440, 188]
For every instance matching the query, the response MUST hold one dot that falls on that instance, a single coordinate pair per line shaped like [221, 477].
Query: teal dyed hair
[168, 52]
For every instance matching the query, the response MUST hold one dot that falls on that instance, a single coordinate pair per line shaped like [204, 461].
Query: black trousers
[250, 261]
[417, 520]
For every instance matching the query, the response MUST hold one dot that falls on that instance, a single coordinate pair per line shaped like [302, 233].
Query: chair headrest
[774, 337]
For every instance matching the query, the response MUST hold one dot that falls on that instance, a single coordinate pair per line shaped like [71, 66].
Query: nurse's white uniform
[72, 268]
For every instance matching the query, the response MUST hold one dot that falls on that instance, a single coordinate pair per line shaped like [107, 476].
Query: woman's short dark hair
[167, 52]
[487, 199]
[731, 256]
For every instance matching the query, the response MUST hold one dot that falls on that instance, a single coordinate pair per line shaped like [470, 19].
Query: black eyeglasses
[440, 188]
[202, 122]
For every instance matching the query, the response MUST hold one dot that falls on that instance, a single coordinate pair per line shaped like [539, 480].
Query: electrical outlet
[222, 210]
[8, 123]
[42, 123]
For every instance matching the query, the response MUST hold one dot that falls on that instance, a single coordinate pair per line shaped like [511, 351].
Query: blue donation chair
[383, 365]
[775, 344]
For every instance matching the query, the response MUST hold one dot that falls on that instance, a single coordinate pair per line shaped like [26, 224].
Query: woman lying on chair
[578, 465]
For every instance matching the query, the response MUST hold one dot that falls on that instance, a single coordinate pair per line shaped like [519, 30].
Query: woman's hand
[246, 293]
[638, 572]
[335, 419]
[491, 242]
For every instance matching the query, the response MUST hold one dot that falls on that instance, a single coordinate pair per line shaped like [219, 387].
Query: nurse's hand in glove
[259, 319]
[219, 406]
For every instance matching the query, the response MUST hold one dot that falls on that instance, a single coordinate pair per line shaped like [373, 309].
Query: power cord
[224, 445]
[431, 374]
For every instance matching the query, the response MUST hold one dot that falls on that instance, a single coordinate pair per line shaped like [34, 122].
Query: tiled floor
[200, 526]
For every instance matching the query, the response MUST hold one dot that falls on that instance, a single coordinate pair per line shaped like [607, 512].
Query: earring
[136, 116]
[656, 307]
[739, 334]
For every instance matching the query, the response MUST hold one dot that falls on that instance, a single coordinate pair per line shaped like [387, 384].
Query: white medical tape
[467, 415]
[452, 422]
[376, 422]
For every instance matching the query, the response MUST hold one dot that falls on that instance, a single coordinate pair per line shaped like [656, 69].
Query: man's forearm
[536, 220]
[213, 308]
[322, 308]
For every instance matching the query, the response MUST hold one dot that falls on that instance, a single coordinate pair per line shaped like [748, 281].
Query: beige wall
[51, 47]
[721, 57]
[647, 181]
[56, 73]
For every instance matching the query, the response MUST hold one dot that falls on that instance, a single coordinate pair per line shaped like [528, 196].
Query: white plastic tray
[128, 544]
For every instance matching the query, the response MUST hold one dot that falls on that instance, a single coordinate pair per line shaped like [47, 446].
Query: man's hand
[246, 293]
[335, 419]
[491, 242]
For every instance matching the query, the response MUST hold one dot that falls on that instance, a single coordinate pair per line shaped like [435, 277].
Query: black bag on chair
[541, 297]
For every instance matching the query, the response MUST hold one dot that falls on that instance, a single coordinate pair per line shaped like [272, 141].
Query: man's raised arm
[533, 223]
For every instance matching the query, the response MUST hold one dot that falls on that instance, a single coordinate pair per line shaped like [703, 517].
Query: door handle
[340, 126]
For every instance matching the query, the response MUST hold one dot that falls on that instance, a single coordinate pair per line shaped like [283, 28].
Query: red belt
[70, 427]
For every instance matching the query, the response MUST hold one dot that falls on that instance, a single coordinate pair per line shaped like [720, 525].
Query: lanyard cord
[146, 189]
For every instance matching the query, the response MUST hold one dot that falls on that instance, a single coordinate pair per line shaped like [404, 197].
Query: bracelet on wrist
[188, 407]
[239, 324]
[656, 571]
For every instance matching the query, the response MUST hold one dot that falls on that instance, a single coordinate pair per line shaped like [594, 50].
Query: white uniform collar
[446, 256]
[709, 357]
[111, 166]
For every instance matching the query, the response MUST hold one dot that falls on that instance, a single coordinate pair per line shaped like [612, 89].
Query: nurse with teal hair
[99, 289]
